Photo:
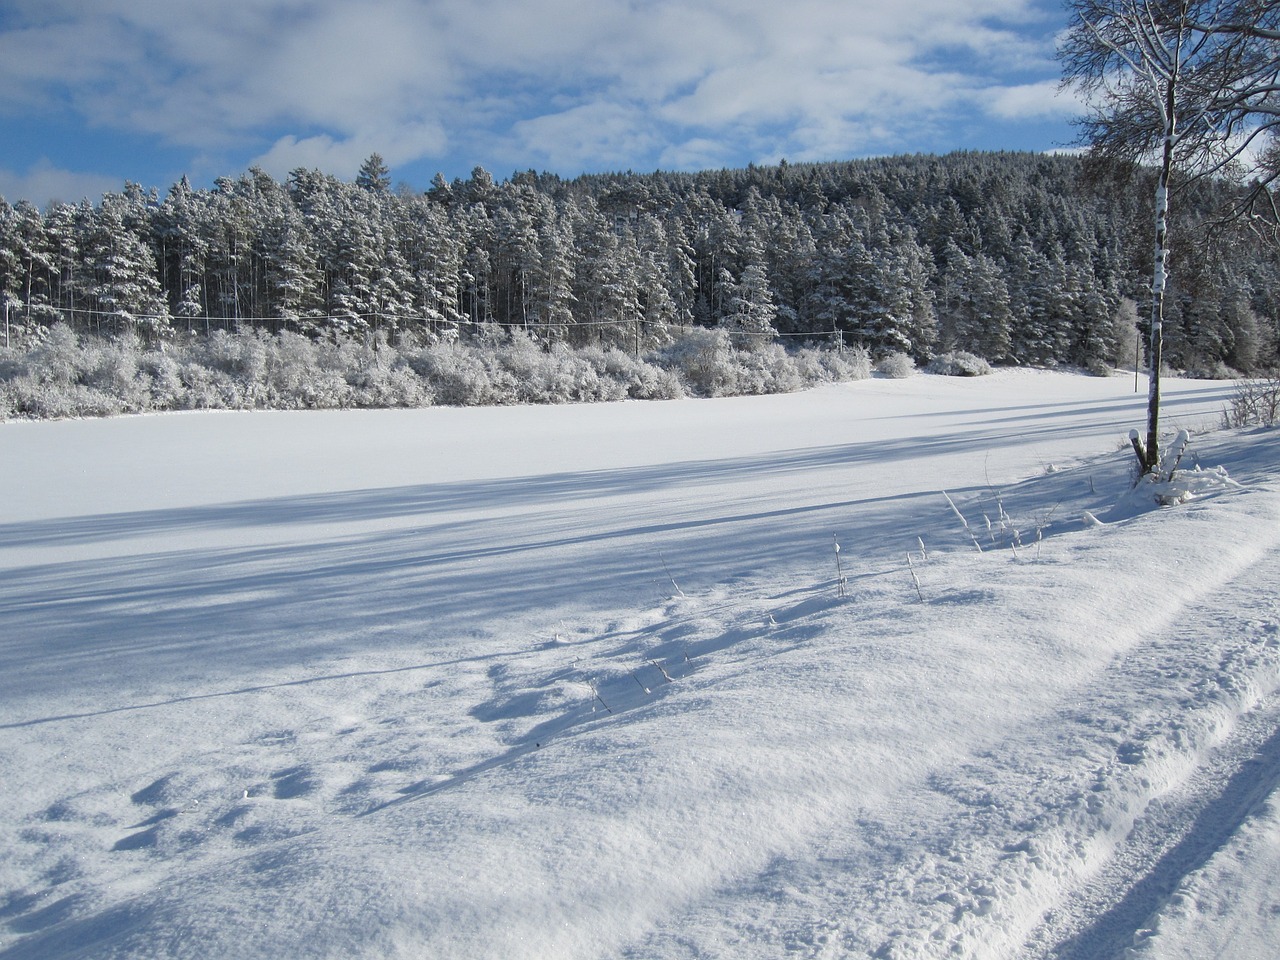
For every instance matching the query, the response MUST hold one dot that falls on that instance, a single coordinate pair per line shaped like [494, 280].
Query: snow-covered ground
[583, 681]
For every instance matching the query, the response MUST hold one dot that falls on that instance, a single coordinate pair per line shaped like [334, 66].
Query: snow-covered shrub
[592, 373]
[1254, 403]
[896, 366]
[823, 364]
[295, 379]
[10, 369]
[16, 395]
[709, 366]
[241, 359]
[209, 388]
[573, 378]
[61, 376]
[705, 360]
[112, 368]
[524, 359]
[767, 368]
[958, 363]
[1097, 367]
[325, 389]
[11, 364]
[360, 363]
[610, 366]
[57, 359]
[1217, 370]
[387, 381]
[328, 384]
[29, 396]
[654, 383]
[853, 364]
[160, 376]
[628, 376]
[456, 374]
[545, 376]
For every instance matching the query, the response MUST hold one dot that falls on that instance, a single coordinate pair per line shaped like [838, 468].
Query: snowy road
[580, 681]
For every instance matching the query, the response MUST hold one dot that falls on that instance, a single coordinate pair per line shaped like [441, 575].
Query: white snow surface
[584, 682]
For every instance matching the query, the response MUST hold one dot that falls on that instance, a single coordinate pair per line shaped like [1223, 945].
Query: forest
[1013, 258]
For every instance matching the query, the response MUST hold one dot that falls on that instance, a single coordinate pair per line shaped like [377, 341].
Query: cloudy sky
[96, 92]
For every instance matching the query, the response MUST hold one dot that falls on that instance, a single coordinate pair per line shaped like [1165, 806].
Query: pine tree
[126, 290]
[33, 261]
[374, 175]
[749, 310]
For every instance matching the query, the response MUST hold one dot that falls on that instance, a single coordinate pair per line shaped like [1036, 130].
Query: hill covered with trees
[1017, 258]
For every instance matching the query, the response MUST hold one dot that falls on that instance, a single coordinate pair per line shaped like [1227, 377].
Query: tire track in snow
[1182, 836]
[1034, 834]
[1176, 834]
[969, 863]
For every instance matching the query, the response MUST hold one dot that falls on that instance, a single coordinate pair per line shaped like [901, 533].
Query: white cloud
[573, 82]
[339, 157]
[699, 153]
[43, 183]
[1032, 101]
[343, 156]
[610, 133]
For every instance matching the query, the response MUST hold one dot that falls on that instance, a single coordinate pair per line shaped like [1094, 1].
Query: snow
[579, 681]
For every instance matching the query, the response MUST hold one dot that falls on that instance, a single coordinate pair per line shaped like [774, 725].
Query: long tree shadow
[546, 489]
[252, 609]
[443, 582]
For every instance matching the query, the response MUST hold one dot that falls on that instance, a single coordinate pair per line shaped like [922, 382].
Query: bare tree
[1189, 85]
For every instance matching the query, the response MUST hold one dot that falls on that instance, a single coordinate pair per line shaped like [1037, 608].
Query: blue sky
[96, 92]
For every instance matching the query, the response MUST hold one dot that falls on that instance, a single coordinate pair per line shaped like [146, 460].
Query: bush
[295, 377]
[1217, 370]
[112, 369]
[456, 374]
[704, 360]
[824, 364]
[58, 358]
[958, 363]
[1255, 403]
[160, 377]
[207, 388]
[896, 366]
[625, 376]
[767, 368]
[29, 396]
[60, 374]
[557, 375]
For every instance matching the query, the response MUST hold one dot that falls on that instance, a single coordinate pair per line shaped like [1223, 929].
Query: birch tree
[1189, 85]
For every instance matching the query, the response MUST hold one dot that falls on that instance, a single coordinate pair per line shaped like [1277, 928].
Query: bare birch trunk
[1158, 285]
[1160, 271]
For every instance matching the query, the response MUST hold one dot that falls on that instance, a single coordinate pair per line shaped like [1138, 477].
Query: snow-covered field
[579, 682]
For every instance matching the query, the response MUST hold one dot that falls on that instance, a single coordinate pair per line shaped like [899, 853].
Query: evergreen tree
[374, 175]
[32, 261]
[125, 291]
[978, 316]
[750, 313]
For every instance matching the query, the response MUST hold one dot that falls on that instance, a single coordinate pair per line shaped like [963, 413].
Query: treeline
[1016, 258]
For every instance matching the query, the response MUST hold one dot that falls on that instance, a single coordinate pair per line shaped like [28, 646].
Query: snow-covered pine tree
[374, 175]
[126, 292]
